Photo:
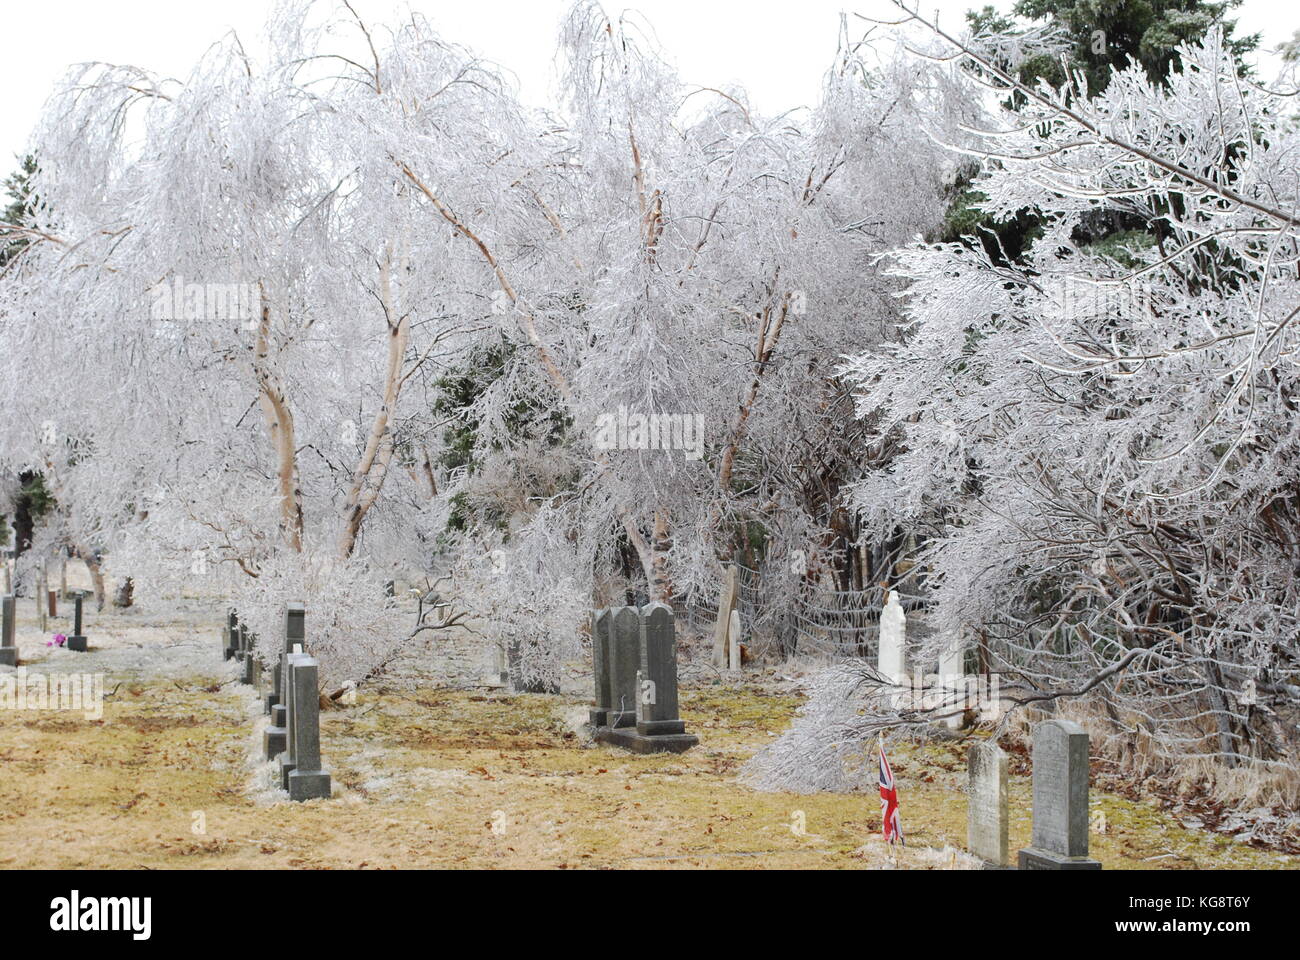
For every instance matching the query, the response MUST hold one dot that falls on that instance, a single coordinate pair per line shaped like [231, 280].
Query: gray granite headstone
[250, 672]
[295, 633]
[307, 781]
[658, 712]
[8, 623]
[986, 803]
[275, 737]
[601, 623]
[78, 640]
[1060, 837]
[625, 660]
[288, 759]
[228, 635]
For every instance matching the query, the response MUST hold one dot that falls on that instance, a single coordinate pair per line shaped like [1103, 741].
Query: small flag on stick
[891, 825]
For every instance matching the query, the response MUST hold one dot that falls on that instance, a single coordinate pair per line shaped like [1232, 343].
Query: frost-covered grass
[431, 777]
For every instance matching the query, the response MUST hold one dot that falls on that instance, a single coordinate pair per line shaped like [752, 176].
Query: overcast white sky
[776, 50]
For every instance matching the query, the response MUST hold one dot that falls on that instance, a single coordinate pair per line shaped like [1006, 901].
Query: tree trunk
[96, 574]
[279, 425]
[125, 595]
[661, 583]
[368, 478]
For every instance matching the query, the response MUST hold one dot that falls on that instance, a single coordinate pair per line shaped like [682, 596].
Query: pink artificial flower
[59, 640]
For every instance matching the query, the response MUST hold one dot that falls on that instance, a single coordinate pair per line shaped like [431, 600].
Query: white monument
[891, 659]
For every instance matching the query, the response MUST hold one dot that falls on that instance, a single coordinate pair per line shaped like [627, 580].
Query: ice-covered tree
[1100, 444]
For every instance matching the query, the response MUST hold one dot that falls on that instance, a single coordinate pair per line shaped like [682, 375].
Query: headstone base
[280, 716]
[286, 768]
[1031, 858]
[78, 644]
[272, 699]
[276, 741]
[9, 656]
[630, 739]
[309, 785]
[659, 728]
[598, 716]
[620, 718]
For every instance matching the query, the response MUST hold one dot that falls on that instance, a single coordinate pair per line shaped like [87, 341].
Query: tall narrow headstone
[249, 675]
[78, 640]
[40, 596]
[63, 578]
[288, 759]
[1060, 837]
[307, 781]
[625, 660]
[295, 634]
[726, 604]
[953, 681]
[229, 639]
[53, 603]
[601, 624]
[891, 659]
[986, 803]
[275, 737]
[733, 641]
[8, 615]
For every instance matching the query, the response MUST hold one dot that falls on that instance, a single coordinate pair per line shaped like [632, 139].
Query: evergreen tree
[19, 210]
[1102, 35]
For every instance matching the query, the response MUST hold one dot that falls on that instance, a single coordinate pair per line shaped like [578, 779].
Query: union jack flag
[890, 823]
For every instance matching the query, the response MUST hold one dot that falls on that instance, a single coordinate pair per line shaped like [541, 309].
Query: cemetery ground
[437, 776]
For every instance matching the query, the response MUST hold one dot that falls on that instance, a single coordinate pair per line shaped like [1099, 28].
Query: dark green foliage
[1108, 34]
[527, 418]
[19, 210]
[1104, 34]
[33, 502]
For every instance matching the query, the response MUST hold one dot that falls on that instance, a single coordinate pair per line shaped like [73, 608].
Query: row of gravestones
[292, 701]
[634, 663]
[1060, 811]
[9, 624]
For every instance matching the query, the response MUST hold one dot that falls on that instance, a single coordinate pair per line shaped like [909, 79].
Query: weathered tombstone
[250, 672]
[986, 803]
[726, 604]
[658, 726]
[953, 680]
[229, 638]
[733, 641]
[625, 660]
[78, 640]
[307, 781]
[601, 624]
[63, 578]
[8, 617]
[288, 759]
[891, 659]
[40, 596]
[53, 603]
[1060, 837]
[295, 634]
[275, 737]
